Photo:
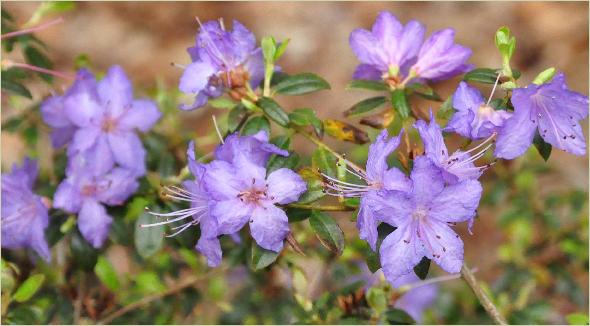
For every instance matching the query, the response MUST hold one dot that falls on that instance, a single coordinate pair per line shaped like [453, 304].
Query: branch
[188, 282]
[484, 300]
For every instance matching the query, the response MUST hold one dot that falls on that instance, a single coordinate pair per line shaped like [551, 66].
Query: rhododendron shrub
[240, 222]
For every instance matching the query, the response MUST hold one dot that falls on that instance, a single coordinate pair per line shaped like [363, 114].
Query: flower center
[420, 214]
[109, 124]
[88, 190]
[485, 112]
[255, 194]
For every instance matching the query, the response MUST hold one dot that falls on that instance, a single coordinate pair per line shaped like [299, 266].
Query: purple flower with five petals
[552, 109]
[84, 192]
[378, 177]
[396, 54]
[243, 193]
[474, 118]
[24, 215]
[457, 166]
[106, 118]
[422, 217]
[221, 60]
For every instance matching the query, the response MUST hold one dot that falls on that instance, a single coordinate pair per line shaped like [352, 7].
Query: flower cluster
[222, 60]
[234, 190]
[398, 55]
[99, 121]
[24, 214]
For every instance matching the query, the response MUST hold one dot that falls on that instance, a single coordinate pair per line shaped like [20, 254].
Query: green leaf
[48, 8]
[135, 208]
[261, 258]
[148, 240]
[323, 160]
[289, 162]
[482, 75]
[34, 57]
[377, 300]
[505, 43]
[399, 100]
[372, 257]
[327, 231]
[106, 273]
[396, 316]
[315, 189]
[542, 147]
[222, 103]
[544, 76]
[302, 117]
[371, 85]
[274, 111]
[365, 106]
[82, 61]
[281, 49]
[446, 109]
[424, 91]
[15, 87]
[28, 288]
[577, 319]
[255, 124]
[236, 118]
[84, 254]
[421, 270]
[269, 48]
[301, 84]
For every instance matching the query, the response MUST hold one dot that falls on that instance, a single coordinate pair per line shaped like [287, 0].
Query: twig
[484, 300]
[411, 286]
[79, 299]
[191, 280]
[32, 29]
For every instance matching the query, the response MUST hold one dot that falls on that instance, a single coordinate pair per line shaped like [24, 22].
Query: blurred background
[530, 241]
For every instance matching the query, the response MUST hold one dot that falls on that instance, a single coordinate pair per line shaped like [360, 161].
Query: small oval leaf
[399, 100]
[255, 124]
[371, 85]
[327, 231]
[148, 240]
[106, 273]
[365, 106]
[261, 257]
[301, 84]
[28, 288]
[274, 111]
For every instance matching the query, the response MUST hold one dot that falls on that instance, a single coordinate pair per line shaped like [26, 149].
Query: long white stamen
[177, 65]
[213, 45]
[168, 221]
[493, 89]
[217, 129]
[340, 181]
[186, 226]
[482, 143]
[177, 213]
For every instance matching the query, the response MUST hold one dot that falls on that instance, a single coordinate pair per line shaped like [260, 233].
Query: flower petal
[427, 180]
[387, 29]
[94, 222]
[117, 186]
[254, 64]
[83, 108]
[244, 39]
[400, 252]
[434, 143]
[392, 207]
[517, 134]
[84, 138]
[231, 215]
[128, 151]
[142, 115]
[115, 91]
[440, 58]
[285, 186]
[443, 245]
[220, 181]
[368, 49]
[61, 136]
[378, 153]
[456, 203]
[269, 226]
[211, 249]
[67, 197]
[467, 98]
[409, 43]
[196, 77]
[365, 71]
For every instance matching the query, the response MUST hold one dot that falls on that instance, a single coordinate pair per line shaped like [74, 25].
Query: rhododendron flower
[244, 194]
[396, 54]
[552, 109]
[457, 166]
[474, 118]
[84, 192]
[24, 215]
[221, 60]
[255, 147]
[378, 176]
[417, 299]
[422, 217]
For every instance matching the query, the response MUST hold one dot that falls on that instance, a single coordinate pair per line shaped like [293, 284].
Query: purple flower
[24, 216]
[389, 46]
[243, 193]
[395, 53]
[458, 166]
[256, 148]
[474, 118]
[378, 176]
[416, 300]
[221, 59]
[553, 110]
[106, 118]
[440, 58]
[84, 192]
[422, 217]
[53, 109]
[193, 191]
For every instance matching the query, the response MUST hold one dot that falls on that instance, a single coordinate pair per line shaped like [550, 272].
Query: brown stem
[484, 300]
[187, 282]
[331, 208]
